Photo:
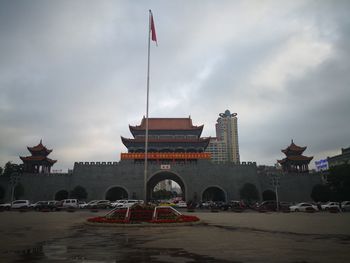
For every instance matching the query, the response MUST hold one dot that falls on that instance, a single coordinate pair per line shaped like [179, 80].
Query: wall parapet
[96, 163]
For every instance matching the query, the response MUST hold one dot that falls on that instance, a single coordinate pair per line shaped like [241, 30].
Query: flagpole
[147, 106]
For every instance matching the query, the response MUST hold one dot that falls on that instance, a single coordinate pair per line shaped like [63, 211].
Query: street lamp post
[13, 181]
[276, 183]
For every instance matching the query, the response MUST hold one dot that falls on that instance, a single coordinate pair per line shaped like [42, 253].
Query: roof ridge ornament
[227, 114]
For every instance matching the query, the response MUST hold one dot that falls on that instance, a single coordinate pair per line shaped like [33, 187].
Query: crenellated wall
[98, 177]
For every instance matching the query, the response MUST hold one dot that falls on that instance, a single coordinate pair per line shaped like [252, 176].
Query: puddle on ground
[95, 245]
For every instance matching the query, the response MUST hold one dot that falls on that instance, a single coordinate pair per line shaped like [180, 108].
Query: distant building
[342, 158]
[163, 185]
[295, 162]
[218, 150]
[224, 148]
[170, 140]
[38, 162]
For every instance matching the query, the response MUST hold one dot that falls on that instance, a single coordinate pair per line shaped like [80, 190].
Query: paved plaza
[222, 237]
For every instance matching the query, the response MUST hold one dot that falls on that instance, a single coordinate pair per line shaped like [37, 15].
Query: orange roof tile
[167, 124]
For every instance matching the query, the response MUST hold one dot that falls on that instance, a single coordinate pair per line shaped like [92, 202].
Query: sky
[73, 73]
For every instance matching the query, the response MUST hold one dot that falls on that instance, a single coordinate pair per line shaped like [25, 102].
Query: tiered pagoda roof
[38, 161]
[294, 160]
[39, 150]
[166, 135]
[161, 125]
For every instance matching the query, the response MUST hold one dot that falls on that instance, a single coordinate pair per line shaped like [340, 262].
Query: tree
[321, 193]
[1, 170]
[249, 192]
[11, 168]
[60, 195]
[339, 182]
[78, 192]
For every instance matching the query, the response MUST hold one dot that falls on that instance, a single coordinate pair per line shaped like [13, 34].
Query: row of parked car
[54, 205]
[304, 206]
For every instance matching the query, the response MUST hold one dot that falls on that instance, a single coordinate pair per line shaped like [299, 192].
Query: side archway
[268, 195]
[116, 193]
[165, 175]
[214, 193]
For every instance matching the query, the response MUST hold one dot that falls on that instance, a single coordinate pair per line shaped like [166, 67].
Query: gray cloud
[74, 74]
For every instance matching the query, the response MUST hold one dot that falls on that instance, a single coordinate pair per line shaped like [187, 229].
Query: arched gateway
[176, 151]
[165, 175]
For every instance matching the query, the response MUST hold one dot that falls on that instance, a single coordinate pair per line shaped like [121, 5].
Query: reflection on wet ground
[91, 244]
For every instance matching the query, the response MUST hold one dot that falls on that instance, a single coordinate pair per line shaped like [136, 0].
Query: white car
[345, 206]
[329, 205]
[181, 204]
[303, 207]
[6, 206]
[82, 204]
[70, 203]
[20, 204]
[128, 203]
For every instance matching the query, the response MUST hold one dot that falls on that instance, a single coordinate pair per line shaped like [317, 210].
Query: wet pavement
[224, 237]
[96, 244]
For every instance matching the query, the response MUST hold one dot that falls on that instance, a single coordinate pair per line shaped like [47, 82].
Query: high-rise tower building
[227, 137]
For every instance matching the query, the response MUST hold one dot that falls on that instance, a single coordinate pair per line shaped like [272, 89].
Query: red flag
[153, 29]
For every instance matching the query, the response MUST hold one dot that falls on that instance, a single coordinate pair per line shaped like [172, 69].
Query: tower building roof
[166, 124]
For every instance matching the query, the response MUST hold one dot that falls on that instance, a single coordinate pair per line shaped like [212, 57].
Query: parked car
[303, 207]
[69, 203]
[345, 206]
[167, 204]
[82, 204]
[181, 204]
[38, 205]
[100, 204]
[128, 203]
[269, 205]
[89, 204]
[117, 202]
[5, 206]
[46, 205]
[20, 204]
[330, 205]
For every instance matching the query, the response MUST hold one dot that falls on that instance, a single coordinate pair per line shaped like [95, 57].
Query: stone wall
[98, 177]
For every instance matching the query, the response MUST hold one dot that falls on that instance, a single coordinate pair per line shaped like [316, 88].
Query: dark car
[270, 205]
[100, 204]
[47, 206]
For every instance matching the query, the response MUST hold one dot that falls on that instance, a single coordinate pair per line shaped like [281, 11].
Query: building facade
[295, 161]
[342, 158]
[177, 154]
[217, 150]
[224, 147]
[37, 162]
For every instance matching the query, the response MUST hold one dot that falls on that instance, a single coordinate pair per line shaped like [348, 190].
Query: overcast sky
[73, 73]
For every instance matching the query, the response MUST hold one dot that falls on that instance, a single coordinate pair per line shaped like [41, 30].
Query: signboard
[165, 167]
[321, 165]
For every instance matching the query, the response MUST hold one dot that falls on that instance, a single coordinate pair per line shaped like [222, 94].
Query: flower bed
[144, 214]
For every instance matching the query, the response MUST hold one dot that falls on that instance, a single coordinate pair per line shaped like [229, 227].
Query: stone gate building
[176, 152]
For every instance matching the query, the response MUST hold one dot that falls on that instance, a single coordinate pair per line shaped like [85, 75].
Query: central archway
[165, 175]
[214, 193]
[116, 193]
